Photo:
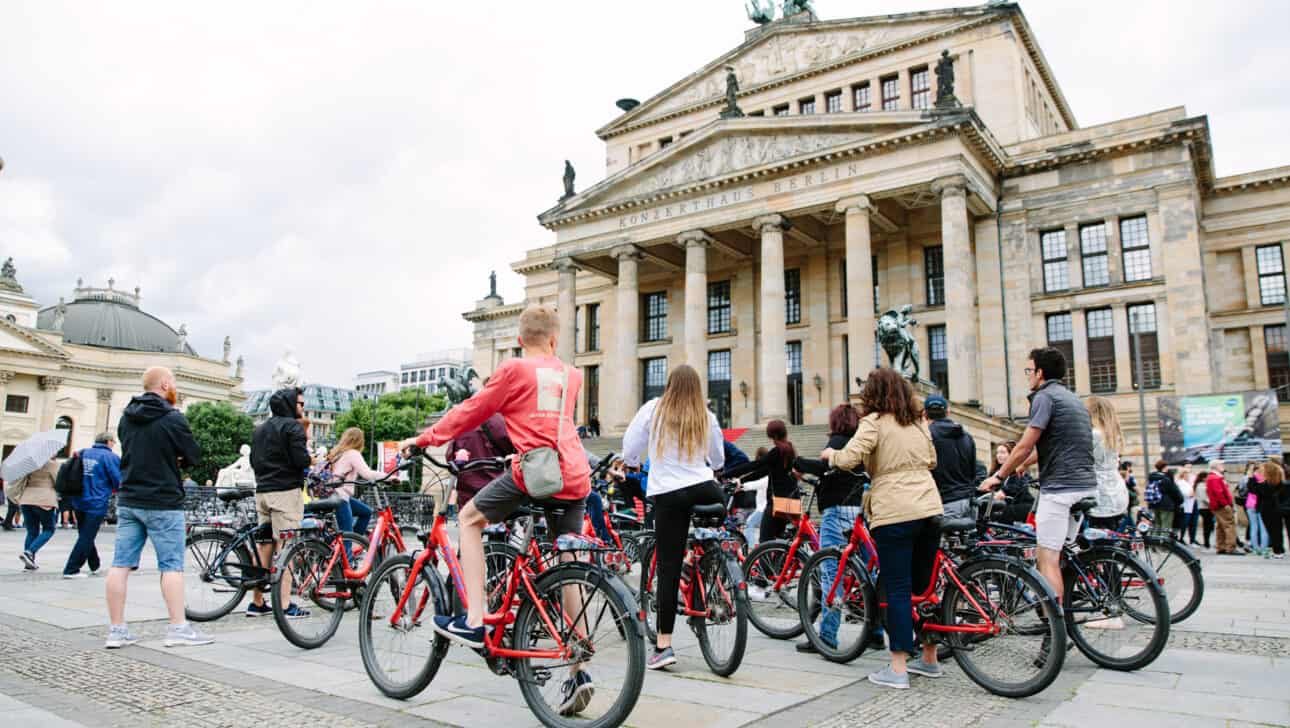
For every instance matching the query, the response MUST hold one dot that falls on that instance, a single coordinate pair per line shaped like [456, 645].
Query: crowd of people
[1202, 506]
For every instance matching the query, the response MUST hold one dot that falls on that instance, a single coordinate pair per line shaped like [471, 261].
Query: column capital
[104, 394]
[7, 376]
[50, 383]
[565, 264]
[694, 238]
[627, 250]
[774, 220]
[954, 185]
[859, 203]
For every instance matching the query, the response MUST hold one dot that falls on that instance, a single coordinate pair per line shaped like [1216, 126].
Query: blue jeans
[836, 520]
[752, 529]
[353, 515]
[40, 524]
[596, 511]
[87, 529]
[907, 552]
[1258, 531]
[134, 526]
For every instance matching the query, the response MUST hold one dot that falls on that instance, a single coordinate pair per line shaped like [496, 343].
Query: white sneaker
[185, 636]
[77, 575]
[1112, 623]
[756, 594]
[119, 637]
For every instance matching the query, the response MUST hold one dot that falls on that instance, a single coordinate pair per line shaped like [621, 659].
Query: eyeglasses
[1028, 371]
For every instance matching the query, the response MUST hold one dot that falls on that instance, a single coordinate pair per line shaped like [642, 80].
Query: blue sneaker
[295, 612]
[455, 629]
[254, 610]
[576, 694]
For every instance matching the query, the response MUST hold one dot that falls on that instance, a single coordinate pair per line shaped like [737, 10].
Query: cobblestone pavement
[1223, 667]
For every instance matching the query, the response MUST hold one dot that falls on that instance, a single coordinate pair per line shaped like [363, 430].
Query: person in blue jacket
[102, 478]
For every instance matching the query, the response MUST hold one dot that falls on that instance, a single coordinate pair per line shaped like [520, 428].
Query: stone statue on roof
[793, 7]
[9, 276]
[732, 110]
[181, 344]
[945, 98]
[492, 284]
[760, 14]
[228, 348]
[569, 176]
[241, 362]
[60, 314]
[286, 373]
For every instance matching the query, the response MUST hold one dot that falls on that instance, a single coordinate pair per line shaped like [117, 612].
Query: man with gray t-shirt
[1060, 434]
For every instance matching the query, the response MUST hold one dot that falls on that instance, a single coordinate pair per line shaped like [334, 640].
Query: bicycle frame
[385, 529]
[240, 537]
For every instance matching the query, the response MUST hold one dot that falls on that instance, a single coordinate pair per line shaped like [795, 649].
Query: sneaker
[661, 658]
[1278, 556]
[888, 678]
[1111, 623]
[456, 629]
[806, 647]
[28, 561]
[184, 635]
[756, 594]
[295, 612]
[918, 667]
[76, 575]
[255, 610]
[119, 637]
[576, 694]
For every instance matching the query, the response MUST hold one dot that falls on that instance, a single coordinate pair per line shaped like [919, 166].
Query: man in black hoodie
[280, 456]
[955, 472]
[155, 444]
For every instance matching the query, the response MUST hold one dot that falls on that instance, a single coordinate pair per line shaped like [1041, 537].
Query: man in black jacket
[155, 444]
[955, 472]
[280, 456]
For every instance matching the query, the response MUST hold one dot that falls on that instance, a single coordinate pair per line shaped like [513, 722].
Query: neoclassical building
[75, 365]
[760, 243]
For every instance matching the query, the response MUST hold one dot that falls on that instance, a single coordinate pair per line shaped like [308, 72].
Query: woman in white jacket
[1108, 441]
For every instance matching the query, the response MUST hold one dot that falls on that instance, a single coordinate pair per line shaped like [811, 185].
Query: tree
[220, 430]
[399, 415]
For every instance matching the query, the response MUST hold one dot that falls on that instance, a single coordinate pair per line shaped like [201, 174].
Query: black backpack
[70, 481]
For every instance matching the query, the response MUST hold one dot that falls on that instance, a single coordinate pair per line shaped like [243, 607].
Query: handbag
[541, 465]
[13, 491]
[789, 509]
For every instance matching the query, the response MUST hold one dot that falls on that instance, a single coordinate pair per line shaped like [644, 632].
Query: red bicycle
[317, 562]
[773, 569]
[548, 629]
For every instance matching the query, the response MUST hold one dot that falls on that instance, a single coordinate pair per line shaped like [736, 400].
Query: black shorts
[502, 497]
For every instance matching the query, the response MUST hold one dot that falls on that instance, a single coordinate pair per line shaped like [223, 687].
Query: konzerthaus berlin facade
[761, 249]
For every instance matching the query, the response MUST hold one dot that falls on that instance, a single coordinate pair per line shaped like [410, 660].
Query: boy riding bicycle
[528, 392]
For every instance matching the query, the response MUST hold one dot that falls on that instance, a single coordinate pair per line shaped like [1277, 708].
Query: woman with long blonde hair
[1108, 441]
[684, 444]
[346, 461]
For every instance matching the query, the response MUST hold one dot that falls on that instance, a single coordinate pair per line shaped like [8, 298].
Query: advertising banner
[389, 454]
[1236, 427]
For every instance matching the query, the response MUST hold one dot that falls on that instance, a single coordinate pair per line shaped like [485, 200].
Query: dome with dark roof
[111, 319]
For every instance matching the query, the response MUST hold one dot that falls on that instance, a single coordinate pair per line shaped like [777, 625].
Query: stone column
[49, 385]
[1123, 352]
[960, 288]
[5, 377]
[567, 309]
[104, 418]
[627, 397]
[772, 378]
[1079, 348]
[860, 303]
[696, 244]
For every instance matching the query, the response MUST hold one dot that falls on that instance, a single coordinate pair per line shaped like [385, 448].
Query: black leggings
[671, 528]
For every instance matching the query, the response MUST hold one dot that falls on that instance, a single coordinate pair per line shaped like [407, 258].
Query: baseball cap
[935, 402]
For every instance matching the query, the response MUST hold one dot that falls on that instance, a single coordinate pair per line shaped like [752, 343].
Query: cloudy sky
[340, 177]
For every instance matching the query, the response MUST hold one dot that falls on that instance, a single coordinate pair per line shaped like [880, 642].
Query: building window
[833, 102]
[1137, 249]
[1142, 321]
[403, 379]
[920, 89]
[719, 366]
[1056, 272]
[781, 110]
[655, 377]
[719, 307]
[890, 93]
[806, 106]
[1272, 279]
[862, 97]
[760, 112]
[1061, 337]
[938, 360]
[17, 403]
[656, 316]
[934, 270]
[1092, 249]
[593, 326]
[592, 379]
[665, 142]
[1274, 341]
[793, 296]
[793, 357]
[1101, 350]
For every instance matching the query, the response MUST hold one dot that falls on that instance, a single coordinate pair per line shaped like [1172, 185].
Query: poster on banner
[1239, 427]
[389, 455]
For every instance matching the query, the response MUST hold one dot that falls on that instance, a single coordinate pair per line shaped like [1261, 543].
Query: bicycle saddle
[1084, 505]
[228, 496]
[324, 505]
[958, 525]
[709, 512]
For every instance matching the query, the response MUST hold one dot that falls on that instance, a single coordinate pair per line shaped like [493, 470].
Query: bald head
[158, 380]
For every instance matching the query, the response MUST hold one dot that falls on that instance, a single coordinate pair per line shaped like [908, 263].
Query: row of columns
[960, 301]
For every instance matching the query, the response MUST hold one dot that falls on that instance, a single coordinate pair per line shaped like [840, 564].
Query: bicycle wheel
[1179, 573]
[601, 627]
[498, 561]
[723, 632]
[841, 632]
[314, 592]
[400, 650]
[1026, 652]
[212, 590]
[773, 610]
[1116, 611]
[647, 592]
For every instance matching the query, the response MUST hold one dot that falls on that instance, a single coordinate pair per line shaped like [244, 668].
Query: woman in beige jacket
[39, 511]
[902, 509]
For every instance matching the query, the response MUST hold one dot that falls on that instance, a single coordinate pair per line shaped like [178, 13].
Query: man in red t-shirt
[527, 392]
[1220, 504]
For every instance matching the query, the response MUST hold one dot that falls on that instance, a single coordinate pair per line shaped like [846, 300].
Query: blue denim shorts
[134, 526]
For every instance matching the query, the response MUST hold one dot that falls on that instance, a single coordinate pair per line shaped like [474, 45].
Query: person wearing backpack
[39, 501]
[1163, 496]
[100, 477]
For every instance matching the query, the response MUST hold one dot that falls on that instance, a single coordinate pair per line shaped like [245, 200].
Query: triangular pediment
[16, 338]
[738, 147]
[782, 51]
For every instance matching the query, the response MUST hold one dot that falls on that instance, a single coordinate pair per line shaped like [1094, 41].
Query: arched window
[65, 423]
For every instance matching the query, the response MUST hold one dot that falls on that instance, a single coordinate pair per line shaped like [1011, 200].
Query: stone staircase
[808, 439]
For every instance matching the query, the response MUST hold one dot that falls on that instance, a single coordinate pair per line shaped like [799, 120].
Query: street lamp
[1135, 329]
